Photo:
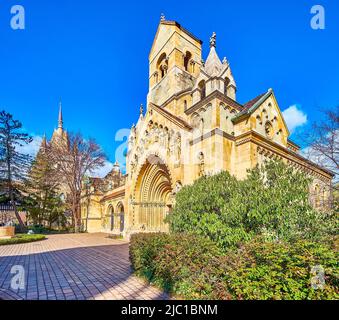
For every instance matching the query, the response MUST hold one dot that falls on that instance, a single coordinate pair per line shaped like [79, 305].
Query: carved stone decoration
[162, 137]
[178, 148]
[156, 134]
[213, 40]
[201, 158]
[201, 126]
[177, 188]
[134, 165]
[269, 130]
[172, 142]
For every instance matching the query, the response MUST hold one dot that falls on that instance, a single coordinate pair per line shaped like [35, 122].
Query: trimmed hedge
[192, 267]
[25, 238]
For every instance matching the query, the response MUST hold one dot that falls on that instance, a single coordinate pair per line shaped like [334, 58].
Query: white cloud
[294, 118]
[31, 148]
[103, 171]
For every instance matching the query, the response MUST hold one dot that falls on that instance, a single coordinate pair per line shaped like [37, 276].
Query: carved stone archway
[153, 195]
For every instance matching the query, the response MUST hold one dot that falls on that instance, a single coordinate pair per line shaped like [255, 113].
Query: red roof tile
[251, 103]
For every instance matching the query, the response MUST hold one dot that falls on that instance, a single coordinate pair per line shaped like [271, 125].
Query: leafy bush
[25, 238]
[273, 201]
[177, 263]
[192, 267]
[261, 270]
[144, 247]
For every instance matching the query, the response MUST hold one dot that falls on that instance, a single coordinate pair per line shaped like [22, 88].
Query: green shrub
[273, 201]
[192, 267]
[144, 247]
[261, 270]
[24, 238]
[181, 265]
[176, 263]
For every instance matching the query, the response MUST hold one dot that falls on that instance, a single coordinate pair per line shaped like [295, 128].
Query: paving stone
[74, 267]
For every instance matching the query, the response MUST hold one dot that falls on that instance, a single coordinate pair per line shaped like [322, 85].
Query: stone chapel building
[193, 126]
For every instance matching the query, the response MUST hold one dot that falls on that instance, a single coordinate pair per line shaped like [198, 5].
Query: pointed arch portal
[153, 195]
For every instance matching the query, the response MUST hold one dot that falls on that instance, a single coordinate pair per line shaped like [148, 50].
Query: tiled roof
[252, 102]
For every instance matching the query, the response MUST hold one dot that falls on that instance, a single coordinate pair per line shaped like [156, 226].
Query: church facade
[193, 126]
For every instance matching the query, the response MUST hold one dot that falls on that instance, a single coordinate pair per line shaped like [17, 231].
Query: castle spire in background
[60, 122]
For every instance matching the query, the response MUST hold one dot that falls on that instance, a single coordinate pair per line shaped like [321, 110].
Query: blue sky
[94, 56]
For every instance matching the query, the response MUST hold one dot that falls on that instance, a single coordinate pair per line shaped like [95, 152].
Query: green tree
[13, 163]
[272, 201]
[44, 202]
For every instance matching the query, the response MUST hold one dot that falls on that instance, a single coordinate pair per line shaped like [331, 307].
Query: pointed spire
[162, 17]
[60, 121]
[44, 141]
[213, 65]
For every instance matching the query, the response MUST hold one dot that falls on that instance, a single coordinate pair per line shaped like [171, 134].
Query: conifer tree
[43, 202]
[13, 163]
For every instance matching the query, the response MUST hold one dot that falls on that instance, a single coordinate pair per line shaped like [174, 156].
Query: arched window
[111, 211]
[187, 59]
[317, 196]
[324, 198]
[185, 105]
[259, 120]
[269, 130]
[162, 65]
[202, 87]
[121, 213]
[202, 126]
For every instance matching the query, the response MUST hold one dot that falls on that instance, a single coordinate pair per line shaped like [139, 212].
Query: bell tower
[174, 61]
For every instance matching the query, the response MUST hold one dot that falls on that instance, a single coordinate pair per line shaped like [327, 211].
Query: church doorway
[153, 195]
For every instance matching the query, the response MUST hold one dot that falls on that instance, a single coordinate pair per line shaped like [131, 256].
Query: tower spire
[60, 121]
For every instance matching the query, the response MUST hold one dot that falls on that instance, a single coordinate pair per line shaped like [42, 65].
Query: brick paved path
[84, 266]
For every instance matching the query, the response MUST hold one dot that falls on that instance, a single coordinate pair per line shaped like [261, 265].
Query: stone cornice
[115, 194]
[215, 94]
[176, 120]
[212, 133]
[283, 152]
[176, 96]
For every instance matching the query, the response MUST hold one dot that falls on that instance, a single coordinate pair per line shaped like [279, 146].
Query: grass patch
[115, 237]
[22, 238]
